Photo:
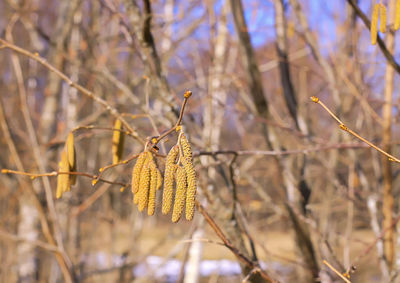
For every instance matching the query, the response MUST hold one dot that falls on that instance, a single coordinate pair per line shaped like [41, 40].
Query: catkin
[397, 16]
[159, 179]
[117, 142]
[187, 150]
[136, 172]
[191, 187]
[63, 180]
[144, 184]
[383, 18]
[374, 24]
[70, 147]
[153, 187]
[180, 194]
[169, 179]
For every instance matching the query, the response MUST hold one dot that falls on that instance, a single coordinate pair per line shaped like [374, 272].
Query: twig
[55, 173]
[43, 245]
[91, 127]
[85, 91]
[345, 128]
[232, 248]
[278, 153]
[178, 123]
[337, 272]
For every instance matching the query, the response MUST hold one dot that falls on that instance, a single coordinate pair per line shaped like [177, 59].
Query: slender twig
[55, 173]
[103, 169]
[41, 244]
[229, 245]
[278, 153]
[91, 127]
[82, 89]
[345, 128]
[337, 272]
[178, 122]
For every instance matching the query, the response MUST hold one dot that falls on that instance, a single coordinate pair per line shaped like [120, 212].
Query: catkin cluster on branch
[146, 180]
[117, 142]
[66, 165]
[179, 169]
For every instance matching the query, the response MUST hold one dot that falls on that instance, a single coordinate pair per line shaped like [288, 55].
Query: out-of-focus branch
[82, 89]
[249, 263]
[388, 198]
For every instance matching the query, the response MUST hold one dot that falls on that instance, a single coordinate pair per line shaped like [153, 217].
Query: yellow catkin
[117, 142]
[169, 179]
[159, 179]
[144, 185]
[70, 147]
[63, 180]
[180, 194]
[397, 16]
[136, 172]
[187, 150]
[153, 189]
[374, 24]
[191, 187]
[383, 18]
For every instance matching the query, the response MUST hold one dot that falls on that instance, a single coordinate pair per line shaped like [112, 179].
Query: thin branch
[56, 173]
[337, 272]
[82, 89]
[345, 128]
[279, 153]
[252, 265]
[178, 123]
[43, 245]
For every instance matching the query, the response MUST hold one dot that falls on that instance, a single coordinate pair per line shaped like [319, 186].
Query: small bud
[4, 171]
[94, 182]
[314, 99]
[187, 94]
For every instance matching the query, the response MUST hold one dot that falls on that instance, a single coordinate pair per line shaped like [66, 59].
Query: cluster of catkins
[146, 180]
[179, 171]
[66, 165]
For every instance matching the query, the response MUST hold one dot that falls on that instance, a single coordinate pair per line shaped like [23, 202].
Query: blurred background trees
[282, 188]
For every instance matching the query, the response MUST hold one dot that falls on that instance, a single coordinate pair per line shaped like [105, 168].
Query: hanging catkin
[397, 16]
[63, 180]
[187, 150]
[169, 179]
[159, 179]
[374, 24]
[144, 185]
[71, 155]
[180, 194]
[153, 188]
[117, 142]
[191, 187]
[136, 172]
[383, 18]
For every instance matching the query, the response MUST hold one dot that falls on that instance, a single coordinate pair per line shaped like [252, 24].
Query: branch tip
[187, 94]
